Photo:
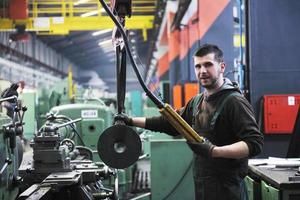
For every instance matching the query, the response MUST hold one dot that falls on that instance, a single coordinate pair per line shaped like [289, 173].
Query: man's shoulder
[237, 99]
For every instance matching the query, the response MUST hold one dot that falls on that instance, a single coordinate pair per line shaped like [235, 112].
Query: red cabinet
[280, 112]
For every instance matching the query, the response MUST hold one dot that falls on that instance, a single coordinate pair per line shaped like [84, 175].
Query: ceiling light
[104, 42]
[80, 2]
[101, 32]
[91, 13]
[131, 33]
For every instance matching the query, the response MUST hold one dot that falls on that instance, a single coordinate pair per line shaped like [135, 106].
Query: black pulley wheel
[119, 146]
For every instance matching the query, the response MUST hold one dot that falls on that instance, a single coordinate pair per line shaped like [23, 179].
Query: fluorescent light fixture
[104, 42]
[91, 13]
[80, 2]
[101, 32]
[131, 33]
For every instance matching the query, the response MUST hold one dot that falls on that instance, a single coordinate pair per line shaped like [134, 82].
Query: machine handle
[9, 98]
[7, 162]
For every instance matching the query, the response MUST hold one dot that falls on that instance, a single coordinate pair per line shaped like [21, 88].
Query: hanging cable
[172, 116]
[158, 102]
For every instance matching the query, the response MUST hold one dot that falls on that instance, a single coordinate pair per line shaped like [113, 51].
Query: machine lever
[55, 128]
[7, 162]
[9, 98]
[67, 123]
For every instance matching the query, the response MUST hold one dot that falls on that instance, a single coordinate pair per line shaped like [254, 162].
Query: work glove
[204, 148]
[123, 118]
[11, 91]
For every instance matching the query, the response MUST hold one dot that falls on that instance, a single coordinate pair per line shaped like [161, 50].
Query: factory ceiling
[92, 50]
[85, 37]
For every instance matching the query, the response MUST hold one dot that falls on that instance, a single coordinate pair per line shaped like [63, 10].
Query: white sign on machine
[89, 113]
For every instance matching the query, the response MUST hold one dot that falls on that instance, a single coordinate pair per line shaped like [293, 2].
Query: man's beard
[212, 85]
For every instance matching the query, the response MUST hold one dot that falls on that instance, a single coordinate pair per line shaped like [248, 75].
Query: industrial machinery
[61, 93]
[10, 144]
[95, 115]
[60, 169]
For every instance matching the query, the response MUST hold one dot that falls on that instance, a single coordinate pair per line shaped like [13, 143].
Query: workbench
[273, 183]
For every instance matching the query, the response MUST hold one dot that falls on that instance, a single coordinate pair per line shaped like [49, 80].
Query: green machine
[63, 92]
[11, 150]
[7, 164]
[42, 106]
[136, 103]
[96, 117]
[30, 127]
[165, 168]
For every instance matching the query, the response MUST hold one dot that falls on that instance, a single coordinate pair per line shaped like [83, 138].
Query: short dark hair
[210, 48]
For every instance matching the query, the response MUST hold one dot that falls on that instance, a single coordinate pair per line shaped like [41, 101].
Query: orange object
[184, 43]
[190, 90]
[280, 112]
[177, 96]
[208, 13]
[18, 9]
[163, 64]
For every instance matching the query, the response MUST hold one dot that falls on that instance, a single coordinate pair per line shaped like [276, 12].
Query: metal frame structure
[59, 17]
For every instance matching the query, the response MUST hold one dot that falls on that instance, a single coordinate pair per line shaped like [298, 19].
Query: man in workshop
[223, 116]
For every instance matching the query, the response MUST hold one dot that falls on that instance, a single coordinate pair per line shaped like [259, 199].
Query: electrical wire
[139, 61]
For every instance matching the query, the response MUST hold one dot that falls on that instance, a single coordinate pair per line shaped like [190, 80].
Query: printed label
[89, 113]
[291, 101]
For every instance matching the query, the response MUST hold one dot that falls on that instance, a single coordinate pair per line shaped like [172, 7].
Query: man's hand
[123, 118]
[11, 91]
[204, 148]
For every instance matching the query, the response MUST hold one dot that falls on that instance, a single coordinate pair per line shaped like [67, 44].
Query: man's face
[209, 71]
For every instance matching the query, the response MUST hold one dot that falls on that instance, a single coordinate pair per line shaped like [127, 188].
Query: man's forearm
[139, 122]
[236, 150]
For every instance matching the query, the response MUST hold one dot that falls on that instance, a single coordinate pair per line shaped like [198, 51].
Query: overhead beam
[63, 25]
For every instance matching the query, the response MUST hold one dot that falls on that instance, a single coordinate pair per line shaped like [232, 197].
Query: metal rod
[8, 98]
[67, 123]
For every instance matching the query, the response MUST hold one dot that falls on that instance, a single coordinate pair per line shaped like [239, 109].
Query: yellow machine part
[59, 17]
[179, 124]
